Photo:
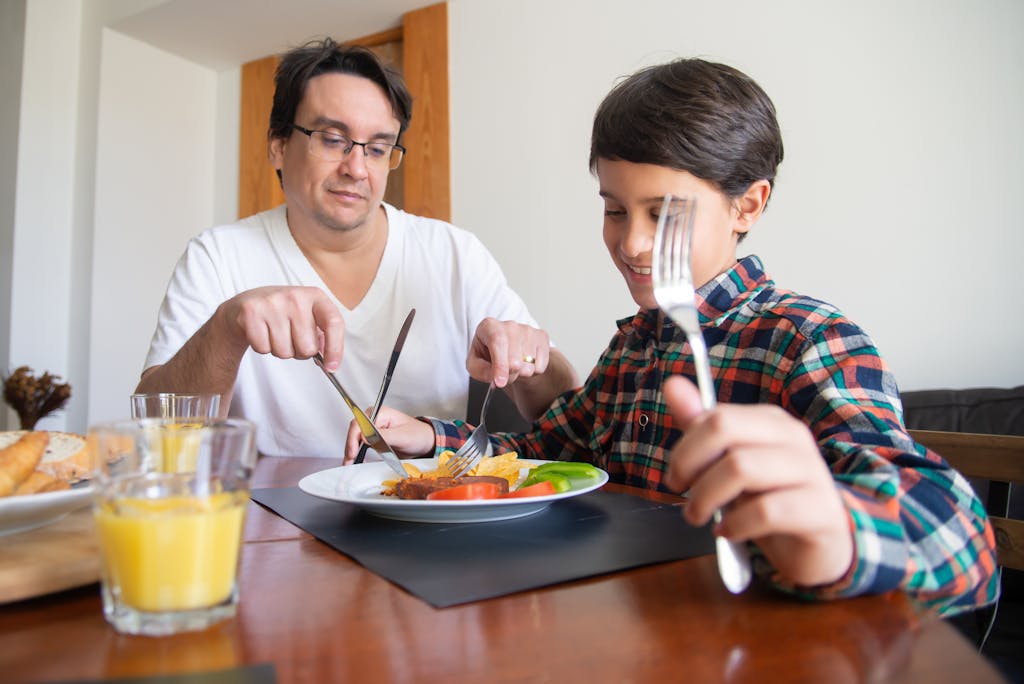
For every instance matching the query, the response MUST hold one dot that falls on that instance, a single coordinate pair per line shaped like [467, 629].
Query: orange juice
[180, 446]
[172, 553]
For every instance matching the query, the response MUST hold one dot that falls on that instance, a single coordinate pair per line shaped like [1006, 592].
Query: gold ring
[529, 359]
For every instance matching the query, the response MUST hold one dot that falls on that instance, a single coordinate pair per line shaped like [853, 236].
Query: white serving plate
[361, 485]
[20, 513]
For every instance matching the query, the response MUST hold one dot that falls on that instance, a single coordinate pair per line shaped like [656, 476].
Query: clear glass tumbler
[169, 504]
[175, 406]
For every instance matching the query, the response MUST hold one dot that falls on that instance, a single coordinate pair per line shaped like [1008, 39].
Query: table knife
[370, 433]
[399, 343]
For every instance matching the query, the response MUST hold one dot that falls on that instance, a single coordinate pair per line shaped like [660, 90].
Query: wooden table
[317, 616]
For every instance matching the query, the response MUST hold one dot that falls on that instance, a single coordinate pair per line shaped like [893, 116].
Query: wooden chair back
[998, 458]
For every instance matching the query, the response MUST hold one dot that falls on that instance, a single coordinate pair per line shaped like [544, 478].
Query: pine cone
[34, 398]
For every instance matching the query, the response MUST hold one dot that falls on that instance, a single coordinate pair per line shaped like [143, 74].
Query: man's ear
[275, 152]
[750, 205]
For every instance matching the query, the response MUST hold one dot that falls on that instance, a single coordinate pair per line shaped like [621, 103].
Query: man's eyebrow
[322, 122]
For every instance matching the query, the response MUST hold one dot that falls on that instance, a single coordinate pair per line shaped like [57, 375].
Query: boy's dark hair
[303, 63]
[697, 116]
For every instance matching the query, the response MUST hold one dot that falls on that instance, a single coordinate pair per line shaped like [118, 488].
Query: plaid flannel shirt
[917, 524]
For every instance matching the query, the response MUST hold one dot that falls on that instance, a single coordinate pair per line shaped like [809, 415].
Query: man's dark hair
[708, 119]
[300, 65]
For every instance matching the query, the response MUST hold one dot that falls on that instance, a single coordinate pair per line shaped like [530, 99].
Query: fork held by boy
[676, 296]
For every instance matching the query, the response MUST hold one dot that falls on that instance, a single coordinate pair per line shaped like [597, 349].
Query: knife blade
[370, 433]
[399, 343]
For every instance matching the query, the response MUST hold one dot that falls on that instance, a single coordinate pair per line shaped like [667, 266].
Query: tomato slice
[545, 488]
[466, 492]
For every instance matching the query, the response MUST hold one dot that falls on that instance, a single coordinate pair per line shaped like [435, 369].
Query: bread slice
[65, 458]
[19, 458]
[39, 482]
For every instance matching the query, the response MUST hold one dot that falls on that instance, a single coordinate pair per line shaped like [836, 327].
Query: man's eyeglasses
[331, 146]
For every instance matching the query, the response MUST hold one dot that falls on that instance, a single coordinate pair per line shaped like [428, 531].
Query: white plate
[361, 485]
[20, 513]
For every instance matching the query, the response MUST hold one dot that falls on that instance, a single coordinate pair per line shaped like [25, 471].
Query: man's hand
[408, 436]
[520, 359]
[762, 468]
[502, 351]
[288, 322]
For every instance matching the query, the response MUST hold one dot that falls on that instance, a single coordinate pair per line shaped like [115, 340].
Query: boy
[806, 454]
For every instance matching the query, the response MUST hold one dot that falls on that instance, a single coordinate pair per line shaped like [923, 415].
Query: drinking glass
[181, 413]
[169, 515]
[175, 406]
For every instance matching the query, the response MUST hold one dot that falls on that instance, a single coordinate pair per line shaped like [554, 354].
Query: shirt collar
[719, 298]
[716, 301]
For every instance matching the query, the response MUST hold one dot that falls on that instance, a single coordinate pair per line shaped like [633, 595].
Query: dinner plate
[361, 485]
[20, 513]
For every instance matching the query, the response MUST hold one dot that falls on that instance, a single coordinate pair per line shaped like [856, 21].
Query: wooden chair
[997, 458]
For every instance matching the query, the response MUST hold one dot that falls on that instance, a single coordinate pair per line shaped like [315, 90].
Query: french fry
[18, 460]
[505, 465]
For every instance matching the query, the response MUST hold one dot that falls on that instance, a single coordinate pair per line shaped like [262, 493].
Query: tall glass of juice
[182, 413]
[169, 506]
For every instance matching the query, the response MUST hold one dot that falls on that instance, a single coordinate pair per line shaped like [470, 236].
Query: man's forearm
[207, 362]
[534, 395]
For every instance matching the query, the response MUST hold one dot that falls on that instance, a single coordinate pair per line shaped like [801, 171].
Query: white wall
[896, 200]
[46, 312]
[155, 168]
[44, 193]
[12, 45]
[228, 133]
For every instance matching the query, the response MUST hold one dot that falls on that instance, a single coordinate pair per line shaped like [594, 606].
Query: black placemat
[446, 564]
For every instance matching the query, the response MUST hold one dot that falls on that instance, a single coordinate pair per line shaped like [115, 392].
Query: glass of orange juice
[174, 405]
[186, 412]
[169, 512]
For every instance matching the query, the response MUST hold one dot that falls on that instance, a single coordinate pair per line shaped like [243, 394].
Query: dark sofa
[997, 411]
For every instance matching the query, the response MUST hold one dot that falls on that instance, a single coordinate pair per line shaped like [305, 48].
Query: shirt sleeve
[484, 285]
[916, 522]
[193, 294]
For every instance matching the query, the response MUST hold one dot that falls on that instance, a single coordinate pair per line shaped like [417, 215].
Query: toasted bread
[39, 482]
[65, 457]
[18, 458]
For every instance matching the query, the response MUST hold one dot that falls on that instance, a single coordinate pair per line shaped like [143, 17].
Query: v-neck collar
[303, 272]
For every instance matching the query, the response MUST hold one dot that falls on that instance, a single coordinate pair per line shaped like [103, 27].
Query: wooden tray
[55, 557]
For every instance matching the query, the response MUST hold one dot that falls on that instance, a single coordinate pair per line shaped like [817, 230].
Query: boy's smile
[633, 194]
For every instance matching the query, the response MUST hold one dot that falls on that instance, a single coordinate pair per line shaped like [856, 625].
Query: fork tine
[672, 238]
[476, 446]
[685, 228]
[658, 251]
[468, 458]
[677, 232]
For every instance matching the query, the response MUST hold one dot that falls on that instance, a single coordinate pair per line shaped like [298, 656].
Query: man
[335, 267]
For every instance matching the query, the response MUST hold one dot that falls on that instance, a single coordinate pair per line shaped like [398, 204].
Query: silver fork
[676, 296]
[475, 448]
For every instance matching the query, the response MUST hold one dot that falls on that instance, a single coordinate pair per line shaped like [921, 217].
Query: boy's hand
[762, 468]
[408, 436]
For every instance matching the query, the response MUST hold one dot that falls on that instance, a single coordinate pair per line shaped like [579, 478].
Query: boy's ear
[750, 205]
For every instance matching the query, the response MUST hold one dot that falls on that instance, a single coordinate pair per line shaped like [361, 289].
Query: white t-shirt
[445, 273]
